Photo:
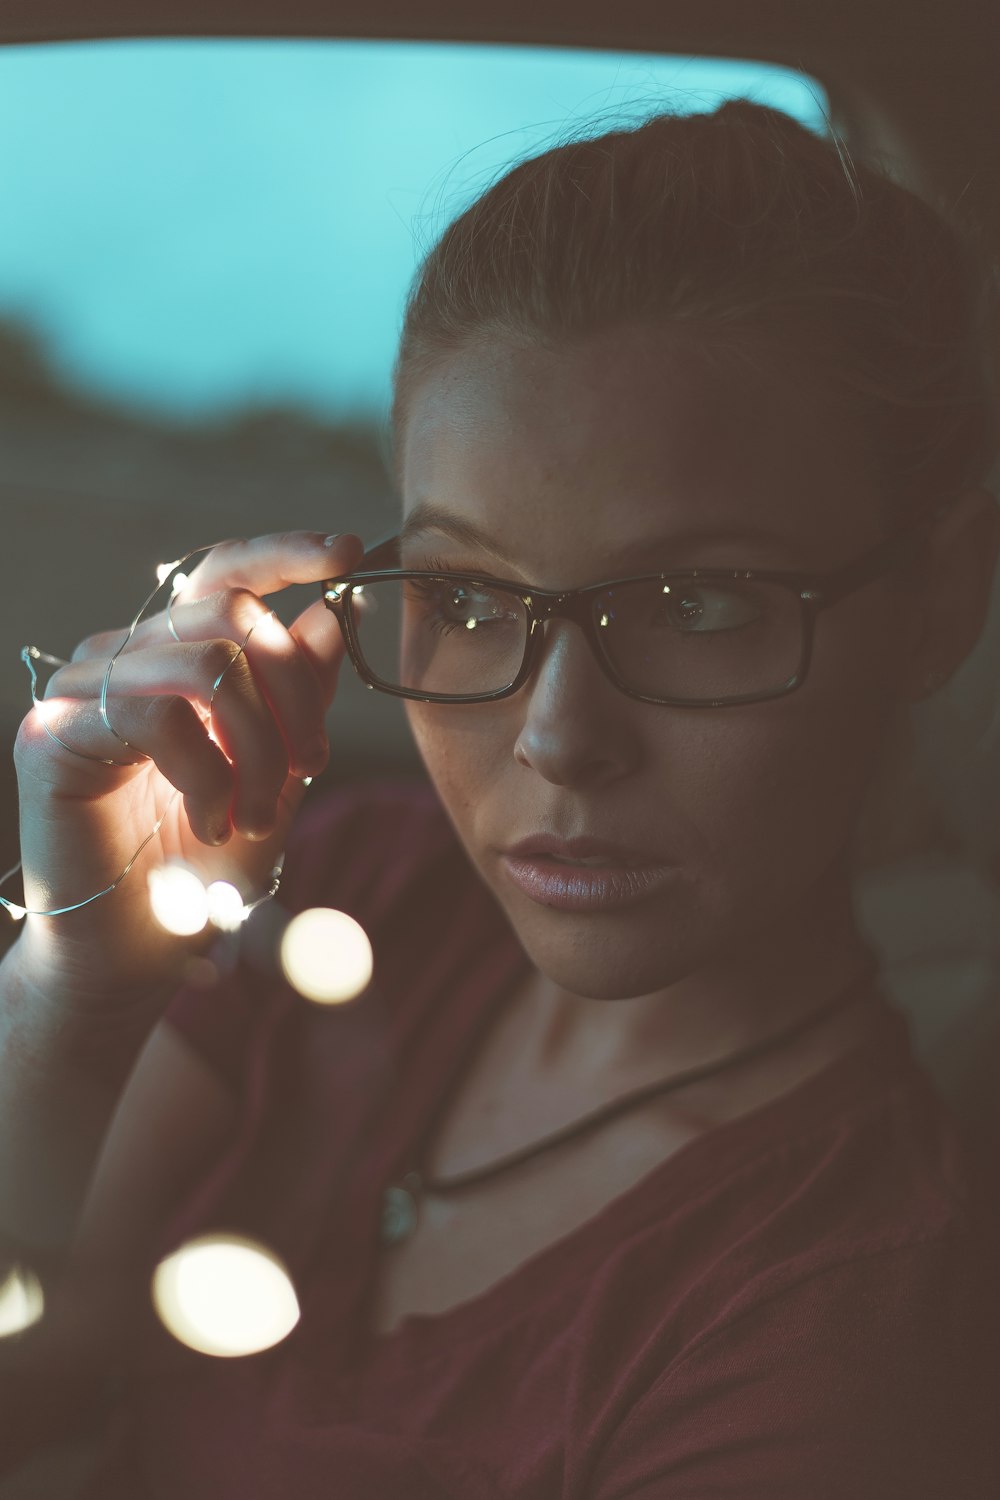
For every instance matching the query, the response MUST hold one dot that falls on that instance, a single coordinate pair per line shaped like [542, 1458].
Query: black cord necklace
[401, 1201]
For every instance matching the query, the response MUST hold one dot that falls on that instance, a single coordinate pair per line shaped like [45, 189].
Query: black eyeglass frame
[816, 591]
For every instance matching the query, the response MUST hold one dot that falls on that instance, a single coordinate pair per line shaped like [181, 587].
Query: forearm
[62, 1072]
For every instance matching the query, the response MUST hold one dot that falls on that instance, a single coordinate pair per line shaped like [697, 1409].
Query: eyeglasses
[704, 638]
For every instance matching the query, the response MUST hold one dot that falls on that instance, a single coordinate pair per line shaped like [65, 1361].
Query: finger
[289, 678]
[165, 729]
[265, 564]
[214, 675]
[317, 633]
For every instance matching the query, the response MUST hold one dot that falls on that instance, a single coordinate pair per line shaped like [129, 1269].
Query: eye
[691, 609]
[709, 608]
[447, 605]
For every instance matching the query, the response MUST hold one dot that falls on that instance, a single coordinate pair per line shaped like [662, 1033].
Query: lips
[572, 886]
[582, 852]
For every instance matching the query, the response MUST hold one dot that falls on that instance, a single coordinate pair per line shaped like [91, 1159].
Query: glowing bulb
[178, 898]
[164, 570]
[15, 912]
[181, 581]
[224, 1295]
[326, 955]
[270, 629]
[21, 1301]
[225, 906]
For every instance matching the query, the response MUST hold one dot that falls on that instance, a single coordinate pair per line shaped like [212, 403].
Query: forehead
[631, 432]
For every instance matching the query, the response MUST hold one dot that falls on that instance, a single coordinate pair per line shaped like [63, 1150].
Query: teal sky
[193, 225]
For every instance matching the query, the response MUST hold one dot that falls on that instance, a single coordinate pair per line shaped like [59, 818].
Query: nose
[576, 726]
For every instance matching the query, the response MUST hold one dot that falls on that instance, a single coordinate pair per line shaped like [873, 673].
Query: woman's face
[595, 462]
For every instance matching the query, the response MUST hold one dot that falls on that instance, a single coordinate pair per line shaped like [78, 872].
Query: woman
[621, 1179]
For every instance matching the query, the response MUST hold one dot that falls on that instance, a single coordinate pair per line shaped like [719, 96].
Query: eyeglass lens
[693, 639]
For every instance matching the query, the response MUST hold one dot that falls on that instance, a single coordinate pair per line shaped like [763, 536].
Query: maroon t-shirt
[799, 1305]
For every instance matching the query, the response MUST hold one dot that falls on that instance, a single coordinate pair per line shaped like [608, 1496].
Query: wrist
[98, 1027]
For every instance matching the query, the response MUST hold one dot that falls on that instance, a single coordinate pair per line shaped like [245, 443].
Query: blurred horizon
[188, 237]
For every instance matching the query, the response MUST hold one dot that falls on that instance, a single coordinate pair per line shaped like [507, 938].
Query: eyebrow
[427, 517]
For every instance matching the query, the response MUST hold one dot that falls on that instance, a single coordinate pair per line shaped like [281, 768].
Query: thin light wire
[169, 612]
[32, 654]
[59, 911]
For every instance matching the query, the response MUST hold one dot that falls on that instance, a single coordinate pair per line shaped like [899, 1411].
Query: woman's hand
[82, 821]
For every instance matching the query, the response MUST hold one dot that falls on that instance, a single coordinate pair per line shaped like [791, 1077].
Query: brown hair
[745, 223]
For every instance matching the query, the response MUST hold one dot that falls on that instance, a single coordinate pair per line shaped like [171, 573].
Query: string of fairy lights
[220, 1294]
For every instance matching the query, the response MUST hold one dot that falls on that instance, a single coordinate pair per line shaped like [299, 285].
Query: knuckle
[225, 547]
[287, 541]
[219, 655]
[57, 684]
[89, 646]
[240, 605]
[168, 715]
[214, 559]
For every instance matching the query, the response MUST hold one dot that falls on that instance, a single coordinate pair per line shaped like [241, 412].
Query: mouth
[583, 853]
[593, 862]
[587, 883]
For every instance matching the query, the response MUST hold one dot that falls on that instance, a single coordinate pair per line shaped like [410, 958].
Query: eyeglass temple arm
[832, 587]
[383, 553]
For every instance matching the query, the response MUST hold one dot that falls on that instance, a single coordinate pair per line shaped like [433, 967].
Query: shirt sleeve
[873, 1380]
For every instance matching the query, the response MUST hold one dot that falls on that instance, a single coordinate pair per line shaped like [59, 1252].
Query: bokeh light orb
[225, 1295]
[326, 955]
[225, 906]
[21, 1301]
[178, 898]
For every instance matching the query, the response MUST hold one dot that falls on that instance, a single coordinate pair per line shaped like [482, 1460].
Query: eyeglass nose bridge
[575, 605]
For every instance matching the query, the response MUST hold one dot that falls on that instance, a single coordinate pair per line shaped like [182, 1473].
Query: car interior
[211, 213]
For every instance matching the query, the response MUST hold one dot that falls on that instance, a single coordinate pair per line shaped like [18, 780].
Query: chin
[601, 959]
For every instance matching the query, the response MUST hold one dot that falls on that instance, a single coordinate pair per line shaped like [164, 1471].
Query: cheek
[462, 749]
[803, 764]
[774, 794]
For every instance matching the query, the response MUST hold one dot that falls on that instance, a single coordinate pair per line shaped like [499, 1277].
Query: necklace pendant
[400, 1210]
